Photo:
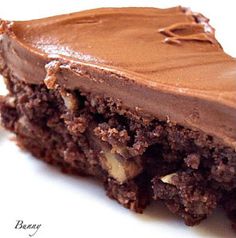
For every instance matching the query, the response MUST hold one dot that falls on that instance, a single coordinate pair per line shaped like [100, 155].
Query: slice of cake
[143, 99]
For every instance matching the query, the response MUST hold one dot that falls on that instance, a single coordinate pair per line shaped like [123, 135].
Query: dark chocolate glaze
[165, 63]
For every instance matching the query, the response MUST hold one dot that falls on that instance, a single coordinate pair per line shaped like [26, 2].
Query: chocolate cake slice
[143, 99]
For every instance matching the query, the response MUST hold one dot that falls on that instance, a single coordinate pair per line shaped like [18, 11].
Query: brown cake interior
[138, 159]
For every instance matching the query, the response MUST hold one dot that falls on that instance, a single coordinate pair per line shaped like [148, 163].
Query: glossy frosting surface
[166, 62]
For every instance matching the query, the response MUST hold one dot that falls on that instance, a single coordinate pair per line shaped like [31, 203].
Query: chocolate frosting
[162, 62]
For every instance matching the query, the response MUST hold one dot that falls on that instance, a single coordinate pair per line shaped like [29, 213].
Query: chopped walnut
[69, 99]
[119, 168]
[168, 178]
[10, 101]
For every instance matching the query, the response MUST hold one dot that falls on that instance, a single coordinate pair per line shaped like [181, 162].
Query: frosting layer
[162, 62]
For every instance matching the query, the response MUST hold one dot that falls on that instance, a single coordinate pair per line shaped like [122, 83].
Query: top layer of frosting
[165, 62]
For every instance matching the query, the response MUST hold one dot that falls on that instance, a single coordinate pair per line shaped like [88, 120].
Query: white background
[69, 206]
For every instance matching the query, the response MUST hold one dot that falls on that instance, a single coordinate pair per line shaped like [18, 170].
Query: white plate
[72, 206]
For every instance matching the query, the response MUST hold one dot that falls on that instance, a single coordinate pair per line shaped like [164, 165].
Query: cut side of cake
[143, 99]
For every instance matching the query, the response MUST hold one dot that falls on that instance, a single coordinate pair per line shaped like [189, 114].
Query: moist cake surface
[190, 67]
[142, 98]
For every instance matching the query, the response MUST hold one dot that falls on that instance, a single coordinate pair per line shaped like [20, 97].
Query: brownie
[143, 99]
